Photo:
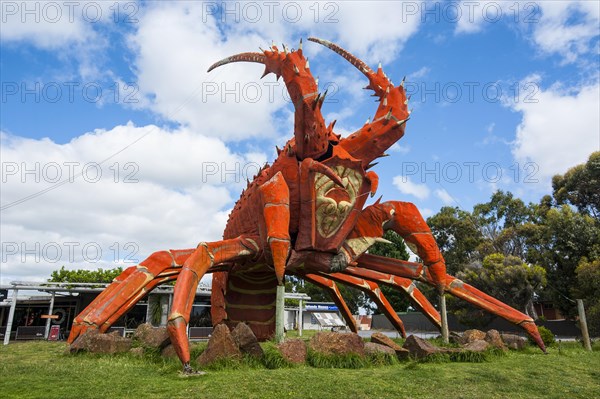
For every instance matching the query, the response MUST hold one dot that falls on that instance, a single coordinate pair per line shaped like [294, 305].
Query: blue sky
[505, 95]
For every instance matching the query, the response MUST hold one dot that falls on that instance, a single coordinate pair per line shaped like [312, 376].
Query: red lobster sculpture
[302, 216]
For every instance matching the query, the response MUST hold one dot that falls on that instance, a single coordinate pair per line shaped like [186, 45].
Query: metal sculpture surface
[305, 216]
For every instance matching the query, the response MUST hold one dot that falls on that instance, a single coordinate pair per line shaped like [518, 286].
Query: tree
[457, 236]
[565, 238]
[508, 279]
[501, 221]
[580, 187]
[84, 276]
[397, 250]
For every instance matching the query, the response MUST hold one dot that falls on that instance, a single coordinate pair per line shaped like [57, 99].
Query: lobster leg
[373, 291]
[404, 285]
[333, 290]
[169, 275]
[453, 286]
[194, 268]
[276, 212]
[405, 219]
[125, 290]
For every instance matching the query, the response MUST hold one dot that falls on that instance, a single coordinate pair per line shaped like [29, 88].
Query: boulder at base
[95, 342]
[479, 345]
[513, 341]
[470, 336]
[371, 348]
[420, 348]
[246, 340]
[152, 337]
[220, 346]
[137, 352]
[293, 350]
[382, 339]
[493, 338]
[331, 343]
[169, 352]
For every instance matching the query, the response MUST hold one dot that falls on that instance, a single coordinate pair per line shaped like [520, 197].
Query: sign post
[50, 310]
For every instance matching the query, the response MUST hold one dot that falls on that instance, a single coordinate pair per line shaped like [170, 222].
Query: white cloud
[407, 186]
[47, 25]
[422, 72]
[443, 195]
[400, 148]
[559, 130]
[76, 30]
[473, 15]
[559, 27]
[171, 189]
[556, 33]
[376, 30]
[173, 52]
[426, 212]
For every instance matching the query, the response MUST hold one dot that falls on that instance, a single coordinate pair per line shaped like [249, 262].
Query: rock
[246, 340]
[455, 337]
[470, 336]
[293, 350]
[95, 342]
[137, 352]
[220, 346]
[479, 345]
[82, 342]
[152, 337]
[169, 352]
[419, 348]
[403, 354]
[371, 348]
[513, 341]
[330, 343]
[382, 339]
[493, 338]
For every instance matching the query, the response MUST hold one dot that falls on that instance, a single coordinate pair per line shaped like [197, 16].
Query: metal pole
[50, 310]
[164, 305]
[584, 329]
[11, 315]
[301, 317]
[148, 307]
[279, 313]
[445, 333]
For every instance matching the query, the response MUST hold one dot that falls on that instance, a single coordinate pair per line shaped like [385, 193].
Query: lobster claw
[378, 81]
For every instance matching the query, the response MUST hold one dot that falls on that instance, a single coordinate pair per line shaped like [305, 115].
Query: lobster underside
[304, 216]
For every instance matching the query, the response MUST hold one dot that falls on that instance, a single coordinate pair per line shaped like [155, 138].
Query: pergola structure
[73, 289]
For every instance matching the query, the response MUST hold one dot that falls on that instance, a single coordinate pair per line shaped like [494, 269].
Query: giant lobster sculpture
[304, 216]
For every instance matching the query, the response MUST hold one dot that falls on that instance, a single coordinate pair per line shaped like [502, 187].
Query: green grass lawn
[43, 370]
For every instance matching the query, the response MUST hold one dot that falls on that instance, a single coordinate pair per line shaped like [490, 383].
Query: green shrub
[349, 361]
[382, 359]
[547, 337]
[463, 356]
[272, 358]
